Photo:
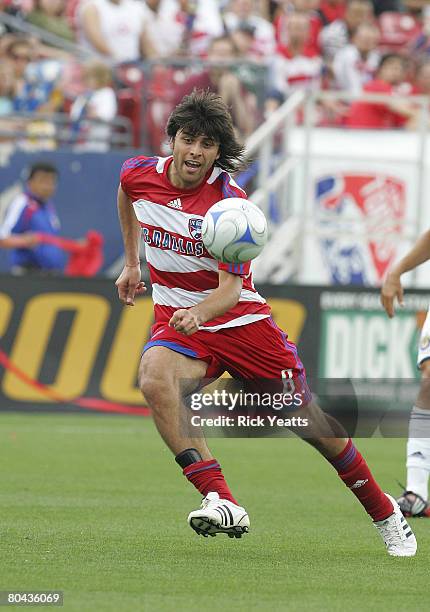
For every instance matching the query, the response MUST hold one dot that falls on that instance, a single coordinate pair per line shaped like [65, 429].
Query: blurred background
[331, 98]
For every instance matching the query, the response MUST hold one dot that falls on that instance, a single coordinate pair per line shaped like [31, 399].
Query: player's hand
[129, 284]
[185, 322]
[30, 240]
[392, 288]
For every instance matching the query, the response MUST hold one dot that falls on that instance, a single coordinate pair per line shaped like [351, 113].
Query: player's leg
[269, 355]
[339, 450]
[165, 378]
[414, 501]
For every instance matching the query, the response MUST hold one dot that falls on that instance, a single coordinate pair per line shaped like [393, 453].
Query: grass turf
[95, 506]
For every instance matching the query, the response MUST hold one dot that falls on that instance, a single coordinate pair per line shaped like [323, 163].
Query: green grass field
[95, 506]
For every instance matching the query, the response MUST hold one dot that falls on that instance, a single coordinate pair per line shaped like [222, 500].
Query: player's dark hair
[203, 113]
[41, 167]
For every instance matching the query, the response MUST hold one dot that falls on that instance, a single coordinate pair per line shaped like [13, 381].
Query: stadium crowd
[91, 61]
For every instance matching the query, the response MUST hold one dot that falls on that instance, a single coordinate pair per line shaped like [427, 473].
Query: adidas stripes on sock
[355, 473]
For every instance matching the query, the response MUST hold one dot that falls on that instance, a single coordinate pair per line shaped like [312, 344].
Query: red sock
[355, 473]
[206, 476]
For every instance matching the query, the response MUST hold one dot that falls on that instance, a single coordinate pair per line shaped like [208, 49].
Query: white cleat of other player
[219, 516]
[396, 533]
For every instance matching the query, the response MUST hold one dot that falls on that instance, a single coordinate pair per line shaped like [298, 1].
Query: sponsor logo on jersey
[175, 204]
[195, 228]
[172, 242]
[359, 483]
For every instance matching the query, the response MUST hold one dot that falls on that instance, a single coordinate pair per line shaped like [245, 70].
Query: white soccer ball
[234, 230]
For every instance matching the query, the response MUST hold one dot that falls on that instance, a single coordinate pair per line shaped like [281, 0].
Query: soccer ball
[234, 230]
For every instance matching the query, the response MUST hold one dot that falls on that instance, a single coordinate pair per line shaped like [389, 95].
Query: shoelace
[205, 502]
[391, 536]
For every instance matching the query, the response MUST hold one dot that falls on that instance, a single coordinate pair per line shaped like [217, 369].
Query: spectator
[6, 88]
[29, 214]
[399, 29]
[251, 67]
[421, 88]
[14, 8]
[281, 30]
[199, 21]
[164, 31]
[243, 12]
[36, 82]
[297, 67]
[356, 64]
[115, 29]
[220, 79]
[244, 41]
[92, 111]
[49, 15]
[40, 89]
[337, 34]
[19, 52]
[331, 10]
[390, 79]
[420, 46]
[422, 79]
[383, 6]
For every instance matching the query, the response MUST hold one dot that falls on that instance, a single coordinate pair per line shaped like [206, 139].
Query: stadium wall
[69, 344]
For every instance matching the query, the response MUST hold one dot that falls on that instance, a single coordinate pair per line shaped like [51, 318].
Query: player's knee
[155, 389]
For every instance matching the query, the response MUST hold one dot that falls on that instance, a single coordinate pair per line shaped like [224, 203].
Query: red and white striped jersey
[182, 272]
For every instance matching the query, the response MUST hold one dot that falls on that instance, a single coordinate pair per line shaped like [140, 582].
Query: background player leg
[414, 501]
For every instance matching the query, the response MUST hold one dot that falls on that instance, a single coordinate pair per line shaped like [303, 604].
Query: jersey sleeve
[242, 270]
[13, 222]
[229, 188]
[130, 169]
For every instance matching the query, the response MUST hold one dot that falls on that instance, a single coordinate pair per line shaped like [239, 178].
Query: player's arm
[392, 286]
[128, 283]
[28, 240]
[221, 300]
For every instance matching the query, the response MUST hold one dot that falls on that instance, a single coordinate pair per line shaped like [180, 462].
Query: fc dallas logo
[195, 228]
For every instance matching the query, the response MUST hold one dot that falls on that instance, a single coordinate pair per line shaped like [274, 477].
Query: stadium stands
[44, 46]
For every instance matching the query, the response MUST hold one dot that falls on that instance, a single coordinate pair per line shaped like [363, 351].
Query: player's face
[43, 184]
[192, 158]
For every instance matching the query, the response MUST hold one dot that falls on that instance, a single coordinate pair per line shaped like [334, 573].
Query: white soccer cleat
[219, 516]
[396, 533]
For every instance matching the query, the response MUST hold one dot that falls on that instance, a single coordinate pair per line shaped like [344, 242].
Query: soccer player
[209, 318]
[414, 500]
